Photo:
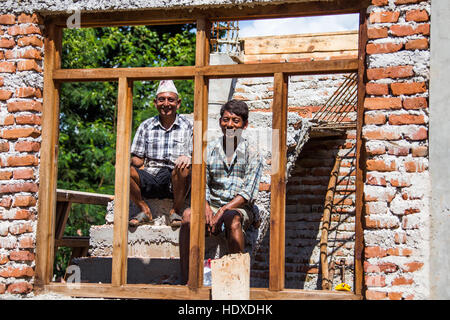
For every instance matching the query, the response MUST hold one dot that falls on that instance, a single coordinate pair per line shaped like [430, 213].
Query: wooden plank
[83, 197]
[327, 282]
[198, 187]
[72, 242]
[309, 43]
[137, 291]
[278, 183]
[223, 13]
[134, 74]
[360, 158]
[297, 57]
[210, 71]
[268, 69]
[48, 160]
[122, 183]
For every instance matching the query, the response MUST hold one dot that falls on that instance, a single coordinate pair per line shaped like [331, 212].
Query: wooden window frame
[200, 73]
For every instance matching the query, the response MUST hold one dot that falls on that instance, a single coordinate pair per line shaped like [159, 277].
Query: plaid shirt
[160, 147]
[241, 177]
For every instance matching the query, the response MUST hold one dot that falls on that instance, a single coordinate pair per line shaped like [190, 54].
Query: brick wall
[396, 133]
[21, 53]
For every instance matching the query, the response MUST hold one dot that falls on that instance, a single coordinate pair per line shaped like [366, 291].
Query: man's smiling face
[232, 124]
[167, 103]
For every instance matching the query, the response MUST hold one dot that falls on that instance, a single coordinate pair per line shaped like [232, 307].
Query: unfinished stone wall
[21, 84]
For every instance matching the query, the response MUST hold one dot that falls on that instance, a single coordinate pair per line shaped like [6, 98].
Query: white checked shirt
[240, 177]
[160, 147]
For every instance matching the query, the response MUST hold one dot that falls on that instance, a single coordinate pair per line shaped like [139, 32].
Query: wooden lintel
[182, 15]
[177, 292]
[72, 242]
[210, 71]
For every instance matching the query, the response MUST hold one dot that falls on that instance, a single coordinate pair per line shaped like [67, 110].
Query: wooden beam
[223, 13]
[198, 198]
[62, 214]
[138, 291]
[122, 183]
[278, 183]
[210, 71]
[360, 158]
[48, 160]
[83, 197]
[72, 242]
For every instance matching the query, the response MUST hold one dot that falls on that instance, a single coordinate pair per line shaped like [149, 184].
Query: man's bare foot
[174, 219]
[141, 218]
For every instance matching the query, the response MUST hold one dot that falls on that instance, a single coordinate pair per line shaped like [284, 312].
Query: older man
[161, 157]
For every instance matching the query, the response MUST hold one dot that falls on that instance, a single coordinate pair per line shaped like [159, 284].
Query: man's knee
[232, 220]
[180, 173]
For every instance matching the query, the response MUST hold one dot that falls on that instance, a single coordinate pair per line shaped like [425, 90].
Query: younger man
[233, 172]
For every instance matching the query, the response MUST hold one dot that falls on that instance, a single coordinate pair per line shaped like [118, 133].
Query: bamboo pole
[326, 281]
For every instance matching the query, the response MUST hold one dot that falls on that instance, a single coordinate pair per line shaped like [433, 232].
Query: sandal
[142, 219]
[174, 220]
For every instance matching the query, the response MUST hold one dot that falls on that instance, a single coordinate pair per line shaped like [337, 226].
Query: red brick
[380, 3]
[2, 288]
[24, 201]
[27, 146]
[1, 81]
[390, 72]
[400, 119]
[23, 174]
[417, 44]
[5, 94]
[21, 256]
[420, 151]
[417, 15]
[384, 17]
[395, 295]
[7, 43]
[386, 267]
[7, 19]
[375, 295]
[24, 105]
[374, 181]
[399, 252]
[415, 103]
[380, 224]
[377, 33]
[408, 30]
[7, 120]
[8, 67]
[398, 150]
[5, 202]
[5, 175]
[400, 238]
[20, 161]
[380, 165]
[23, 30]
[28, 65]
[4, 146]
[16, 133]
[21, 214]
[381, 134]
[412, 266]
[20, 288]
[26, 243]
[375, 281]
[408, 88]
[382, 103]
[377, 89]
[28, 92]
[30, 41]
[17, 272]
[377, 118]
[24, 54]
[31, 119]
[3, 258]
[374, 252]
[375, 151]
[415, 166]
[21, 228]
[25, 18]
[388, 47]
[419, 134]
[400, 281]
[19, 187]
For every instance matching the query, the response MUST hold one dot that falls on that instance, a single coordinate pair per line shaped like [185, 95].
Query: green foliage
[87, 140]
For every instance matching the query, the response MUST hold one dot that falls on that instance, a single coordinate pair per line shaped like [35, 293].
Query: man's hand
[208, 217]
[182, 162]
[137, 162]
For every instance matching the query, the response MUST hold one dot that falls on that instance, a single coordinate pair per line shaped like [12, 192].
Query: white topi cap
[166, 86]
